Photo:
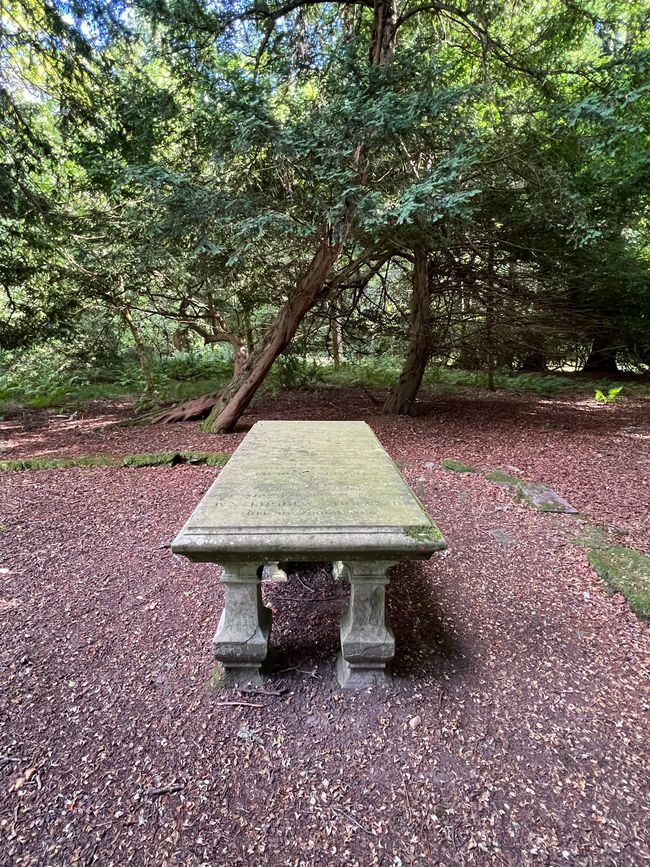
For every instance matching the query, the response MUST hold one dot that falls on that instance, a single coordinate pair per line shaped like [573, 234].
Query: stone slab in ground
[543, 498]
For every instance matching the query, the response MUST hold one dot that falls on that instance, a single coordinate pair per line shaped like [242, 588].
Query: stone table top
[307, 490]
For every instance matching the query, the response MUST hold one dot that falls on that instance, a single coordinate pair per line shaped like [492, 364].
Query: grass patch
[458, 466]
[624, 571]
[161, 459]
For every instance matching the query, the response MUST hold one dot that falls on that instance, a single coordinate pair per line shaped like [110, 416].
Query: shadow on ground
[307, 612]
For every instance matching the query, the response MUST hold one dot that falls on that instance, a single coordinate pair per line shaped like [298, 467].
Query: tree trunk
[490, 321]
[402, 396]
[241, 390]
[248, 332]
[336, 337]
[141, 352]
[534, 362]
[602, 358]
[239, 393]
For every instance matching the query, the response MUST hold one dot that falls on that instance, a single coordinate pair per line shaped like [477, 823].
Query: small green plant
[612, 395]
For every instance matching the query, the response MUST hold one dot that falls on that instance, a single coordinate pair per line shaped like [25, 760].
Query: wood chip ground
[516, 731]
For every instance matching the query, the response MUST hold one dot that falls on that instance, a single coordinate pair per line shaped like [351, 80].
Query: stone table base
[242, 637]
[367, 641]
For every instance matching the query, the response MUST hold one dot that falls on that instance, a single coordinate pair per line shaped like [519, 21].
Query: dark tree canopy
[459, 182]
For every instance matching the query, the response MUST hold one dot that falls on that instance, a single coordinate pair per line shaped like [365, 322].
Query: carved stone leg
[367, 641]
[241, 640]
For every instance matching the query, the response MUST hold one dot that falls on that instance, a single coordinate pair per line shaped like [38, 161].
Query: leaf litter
[528, 681]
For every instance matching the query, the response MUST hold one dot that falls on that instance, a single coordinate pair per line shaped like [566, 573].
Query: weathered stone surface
[367, 641]
[241, 639]
[501, 536]
[308, 491]
[543, 498]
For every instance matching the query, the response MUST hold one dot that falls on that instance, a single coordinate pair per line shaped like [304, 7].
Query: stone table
[308, 491]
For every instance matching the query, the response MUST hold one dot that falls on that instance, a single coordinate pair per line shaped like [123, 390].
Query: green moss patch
[426, 534]
[502, 478]
[625, 571]
[55, 463]
[589, 536]
[152, 460]
[458, 466]
[170, 459]
[217, 682]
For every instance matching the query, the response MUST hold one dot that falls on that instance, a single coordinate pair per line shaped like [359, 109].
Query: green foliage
[186, 366]
[56, 375]
[292, 372]
[369, 372]
[166, 175]
[502, 478]
[612, 395]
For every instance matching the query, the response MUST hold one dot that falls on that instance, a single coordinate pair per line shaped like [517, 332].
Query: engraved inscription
[307, 475]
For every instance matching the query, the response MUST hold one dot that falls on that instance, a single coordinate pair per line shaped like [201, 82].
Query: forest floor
[515, 730]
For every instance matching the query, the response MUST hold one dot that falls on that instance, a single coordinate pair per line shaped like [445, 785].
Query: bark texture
[141, 352]
[402, 396]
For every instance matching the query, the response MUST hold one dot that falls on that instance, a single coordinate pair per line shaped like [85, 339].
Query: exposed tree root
[198, 408]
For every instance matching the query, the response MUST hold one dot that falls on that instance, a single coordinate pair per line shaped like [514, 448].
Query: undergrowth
[44, 378]
[40, 379]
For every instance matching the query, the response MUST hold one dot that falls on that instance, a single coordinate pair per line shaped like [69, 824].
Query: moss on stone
[211, 459]
[458, 466]
[217, 459]
[429, 533]
[149, 460]
[36, 464]
[502, 478]
[589, 536]
[625, 571]
[9, 466]
[97, 461]
[217, 681]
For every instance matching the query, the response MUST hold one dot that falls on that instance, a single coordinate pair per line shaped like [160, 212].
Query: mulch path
[515, 731]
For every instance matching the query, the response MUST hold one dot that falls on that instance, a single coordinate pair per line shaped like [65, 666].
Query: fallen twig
[164, 790]
[238, 704]
[351, 818]
[408, 800]
[271, 692]
[306, 586]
